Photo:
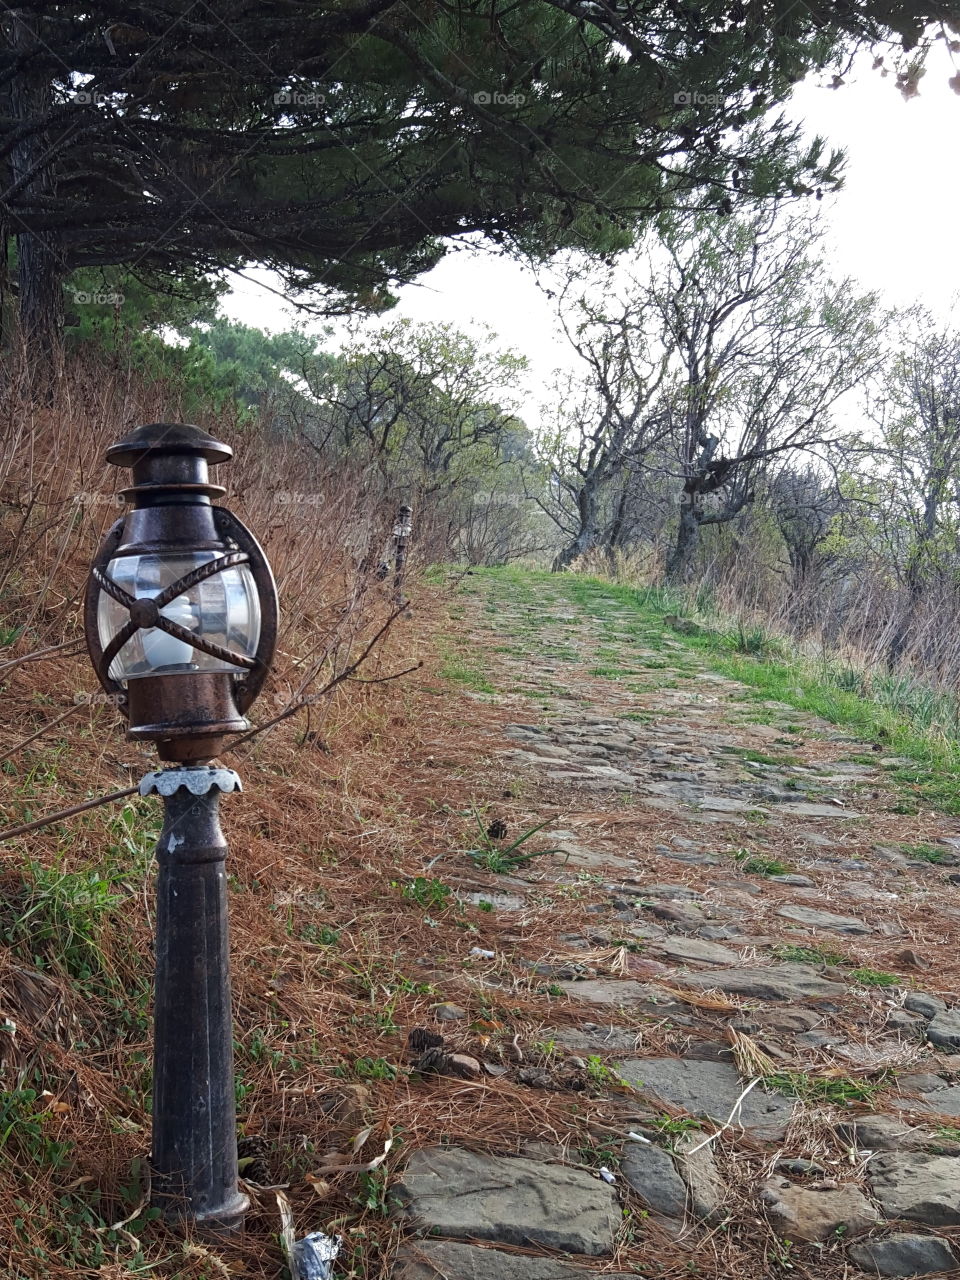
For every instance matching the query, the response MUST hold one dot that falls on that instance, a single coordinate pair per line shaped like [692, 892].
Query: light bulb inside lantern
[164, 650]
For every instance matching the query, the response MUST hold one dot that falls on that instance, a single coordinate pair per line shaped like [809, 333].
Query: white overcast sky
[893, 226]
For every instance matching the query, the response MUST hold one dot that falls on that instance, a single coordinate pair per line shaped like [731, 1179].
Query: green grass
[455, 667]
[874, 978]
[902, 716]
[809, 955]
[838, 1091]
[427, 893]
[756, 865]
[927, 853]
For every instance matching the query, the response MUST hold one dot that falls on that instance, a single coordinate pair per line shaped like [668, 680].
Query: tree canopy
[340, 143]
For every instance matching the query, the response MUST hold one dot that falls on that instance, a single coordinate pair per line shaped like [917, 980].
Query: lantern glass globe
[223, 608]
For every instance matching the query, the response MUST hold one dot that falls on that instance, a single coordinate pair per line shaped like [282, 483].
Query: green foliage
[25, 1137]
[874, 977]
[455, 667]
[427, 893]
[374, 1069]
[757, 865]
[502, 861]
[675, 1126]
[809, 955]
[927, 853]
[60, 919]
[838, 1091]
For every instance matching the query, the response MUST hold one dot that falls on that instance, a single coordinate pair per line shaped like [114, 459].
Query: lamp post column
[194, 1106]
[402, 531]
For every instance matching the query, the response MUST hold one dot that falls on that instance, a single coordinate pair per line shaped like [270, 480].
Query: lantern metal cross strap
[181, 623]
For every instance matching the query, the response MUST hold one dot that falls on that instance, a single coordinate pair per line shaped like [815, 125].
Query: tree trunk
[587, 533]
[40, 262]
[680, 563]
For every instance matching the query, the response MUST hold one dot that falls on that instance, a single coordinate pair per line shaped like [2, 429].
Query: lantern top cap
[158, 438]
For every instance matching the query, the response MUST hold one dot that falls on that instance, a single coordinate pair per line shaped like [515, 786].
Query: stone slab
[904, 1255]
[607, 991]
[816, 1213]
[651, 1172]
[706, 1088]
[695, 951]
[919, 1187]
[449, 1191]
[824, 920]
[793, 982]
[449, 1260]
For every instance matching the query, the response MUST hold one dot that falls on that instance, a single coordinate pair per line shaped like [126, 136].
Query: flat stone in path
[904, 1255]
[817, 1213]
[708, 1089]
[922, 1188]
[824, 920]
[695, 951]
[793, 982]
[606, 991]
[879, 1133]
[808, 809]
[449, 1191]
[944, 1030]
[650, 1171]
[432, 1259]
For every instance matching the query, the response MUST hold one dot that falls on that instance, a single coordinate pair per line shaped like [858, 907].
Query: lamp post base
[195, 1175]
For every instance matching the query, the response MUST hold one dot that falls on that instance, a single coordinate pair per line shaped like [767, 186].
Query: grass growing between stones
[835, 1090]
[756, 865]
[901, 716]
[457, 668]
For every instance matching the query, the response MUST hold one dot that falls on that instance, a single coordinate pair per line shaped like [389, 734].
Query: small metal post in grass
[402, 533]
[181, 624]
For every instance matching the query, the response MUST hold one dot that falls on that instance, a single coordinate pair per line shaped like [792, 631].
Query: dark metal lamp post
[402, 533]
[181, 624]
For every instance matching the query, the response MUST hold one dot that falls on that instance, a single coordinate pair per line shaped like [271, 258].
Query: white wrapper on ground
[314, 1256]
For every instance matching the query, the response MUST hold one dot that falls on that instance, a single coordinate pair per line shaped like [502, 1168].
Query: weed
[600, 1154]
[838, 1090]
[676, 1125]
[874, 977]
[756, 865]
[427, 893]
[373, 1191]
[456, 668]
[809, 955]
[59, 919]
[24, 1135]
[927, 853]
[320, 934]
[373, 1069]
[503, 861]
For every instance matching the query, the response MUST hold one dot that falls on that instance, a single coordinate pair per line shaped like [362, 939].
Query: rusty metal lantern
[181, 606]
[181, 624]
